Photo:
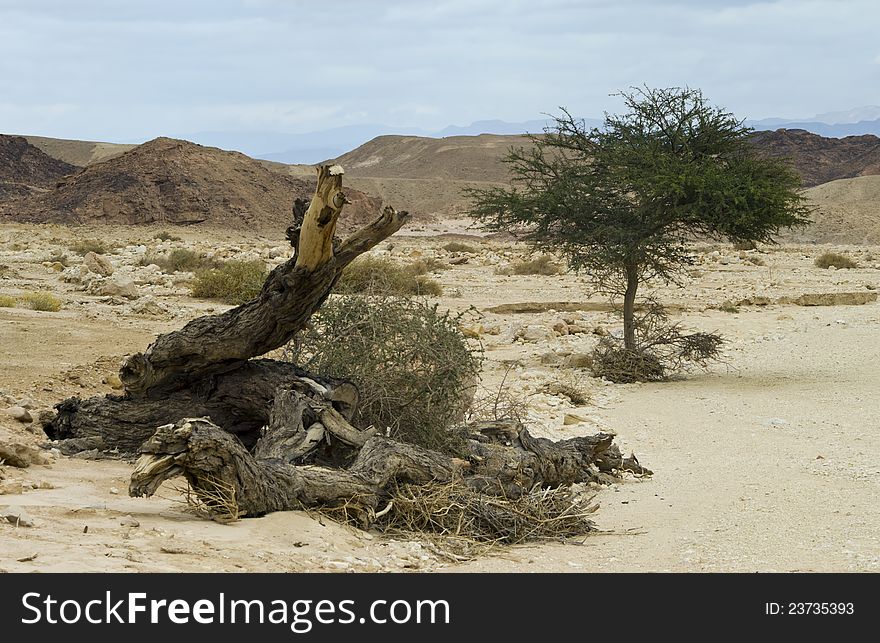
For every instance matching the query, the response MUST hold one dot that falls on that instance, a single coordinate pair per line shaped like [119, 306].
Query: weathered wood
[215, 462]
[292, 292]
[240, 401]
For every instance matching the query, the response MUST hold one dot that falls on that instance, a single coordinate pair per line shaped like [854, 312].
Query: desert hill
[818, 159]
[81, 153]
[25, 169]
[177, 182]
[848, 211]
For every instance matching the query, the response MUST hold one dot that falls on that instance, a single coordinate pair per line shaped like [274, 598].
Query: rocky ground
[766, 462]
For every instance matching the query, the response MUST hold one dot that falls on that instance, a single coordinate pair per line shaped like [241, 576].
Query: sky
[129, 70]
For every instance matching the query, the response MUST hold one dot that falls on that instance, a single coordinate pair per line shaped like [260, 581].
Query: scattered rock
[113, 288]
[99, 264]
[20, 455]
[114, 491]
[458, 261]
[129, 521]
[535, 333]
[11, 487]
[578, 360]
[26, 403]
[17, 516]
[19, 413]
[148, 305]
[561, 328]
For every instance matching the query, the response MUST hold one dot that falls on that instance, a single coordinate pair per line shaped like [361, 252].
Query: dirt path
[772, 465]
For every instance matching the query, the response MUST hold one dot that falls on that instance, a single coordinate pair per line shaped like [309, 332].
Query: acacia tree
[622, 201]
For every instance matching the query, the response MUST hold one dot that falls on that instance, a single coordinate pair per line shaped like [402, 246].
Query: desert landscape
[764, 461]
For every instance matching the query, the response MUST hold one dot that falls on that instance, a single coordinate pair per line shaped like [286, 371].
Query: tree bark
[232, 482]
[629, 307]
[292, 292]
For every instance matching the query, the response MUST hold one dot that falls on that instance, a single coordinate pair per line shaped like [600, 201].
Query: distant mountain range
[313, 147]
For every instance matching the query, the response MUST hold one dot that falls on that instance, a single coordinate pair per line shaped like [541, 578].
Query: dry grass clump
[745, 245]
[568, 387]
[164, 235]
[234, 282]
[414, 369]
[755, 260]
[426, 265]
[370, 275]
[180, 260]
[541, 265]
[85, 246]
[454, 511]
[7, 301]
[210, 497]
[662, 350]
[728, 307]
[829, 259]
[40, 300]
[457, 246]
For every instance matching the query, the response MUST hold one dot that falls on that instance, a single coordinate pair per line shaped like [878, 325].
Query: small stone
[114, 491]
[129, 521]
[578, 360]
[112, 288]
[99, 264]
[113, 381]
[17, 516]
[534, 333]
[11, 487]
[576, 329]
[26, 403]
[561, 328]
[458, 261]
[600, 331]
[19, 413]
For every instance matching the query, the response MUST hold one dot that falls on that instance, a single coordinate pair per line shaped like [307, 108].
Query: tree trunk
[272, 436]
[629, 307]
[232, 483]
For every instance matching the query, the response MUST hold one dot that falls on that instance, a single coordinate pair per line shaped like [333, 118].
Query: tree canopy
[622, 201]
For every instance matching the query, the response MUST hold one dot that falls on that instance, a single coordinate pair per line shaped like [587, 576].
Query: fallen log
[232, 482]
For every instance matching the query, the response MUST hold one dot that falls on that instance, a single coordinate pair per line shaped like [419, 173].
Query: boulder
[99, 264]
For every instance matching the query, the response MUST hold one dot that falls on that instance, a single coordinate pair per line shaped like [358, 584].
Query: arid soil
[766, 462]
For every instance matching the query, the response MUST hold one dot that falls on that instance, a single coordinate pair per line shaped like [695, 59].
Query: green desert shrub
[164, 235]
[541, 265]
[457, 246]
[180, 260]
[41, 300]
[380, 276]
[413, 367]
[233, 282]
[828, 259]
[85, 246]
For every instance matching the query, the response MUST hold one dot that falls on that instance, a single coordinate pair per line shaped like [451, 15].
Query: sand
[767, 462]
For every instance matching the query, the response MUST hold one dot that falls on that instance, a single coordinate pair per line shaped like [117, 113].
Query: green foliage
[85, 246]
[635, 191]
[41, 300]
[457, 246]
[181, 260]
[623, 201]
[828, 259]
[413, 367]
[234, 282]
[371, 275]
[164, 235]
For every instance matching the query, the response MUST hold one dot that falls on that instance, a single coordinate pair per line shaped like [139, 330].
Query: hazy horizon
[132, 71]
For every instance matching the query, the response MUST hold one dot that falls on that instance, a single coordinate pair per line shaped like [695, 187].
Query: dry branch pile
[252, 436]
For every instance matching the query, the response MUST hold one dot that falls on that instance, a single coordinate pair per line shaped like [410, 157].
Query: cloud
[136, 69]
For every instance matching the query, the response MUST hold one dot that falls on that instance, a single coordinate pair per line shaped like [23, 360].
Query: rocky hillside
[170, 181]
[427, 175]
[79, 153]
[818, 159]
[25, 169]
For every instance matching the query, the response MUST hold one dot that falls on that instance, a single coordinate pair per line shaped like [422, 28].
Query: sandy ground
[768, 462]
